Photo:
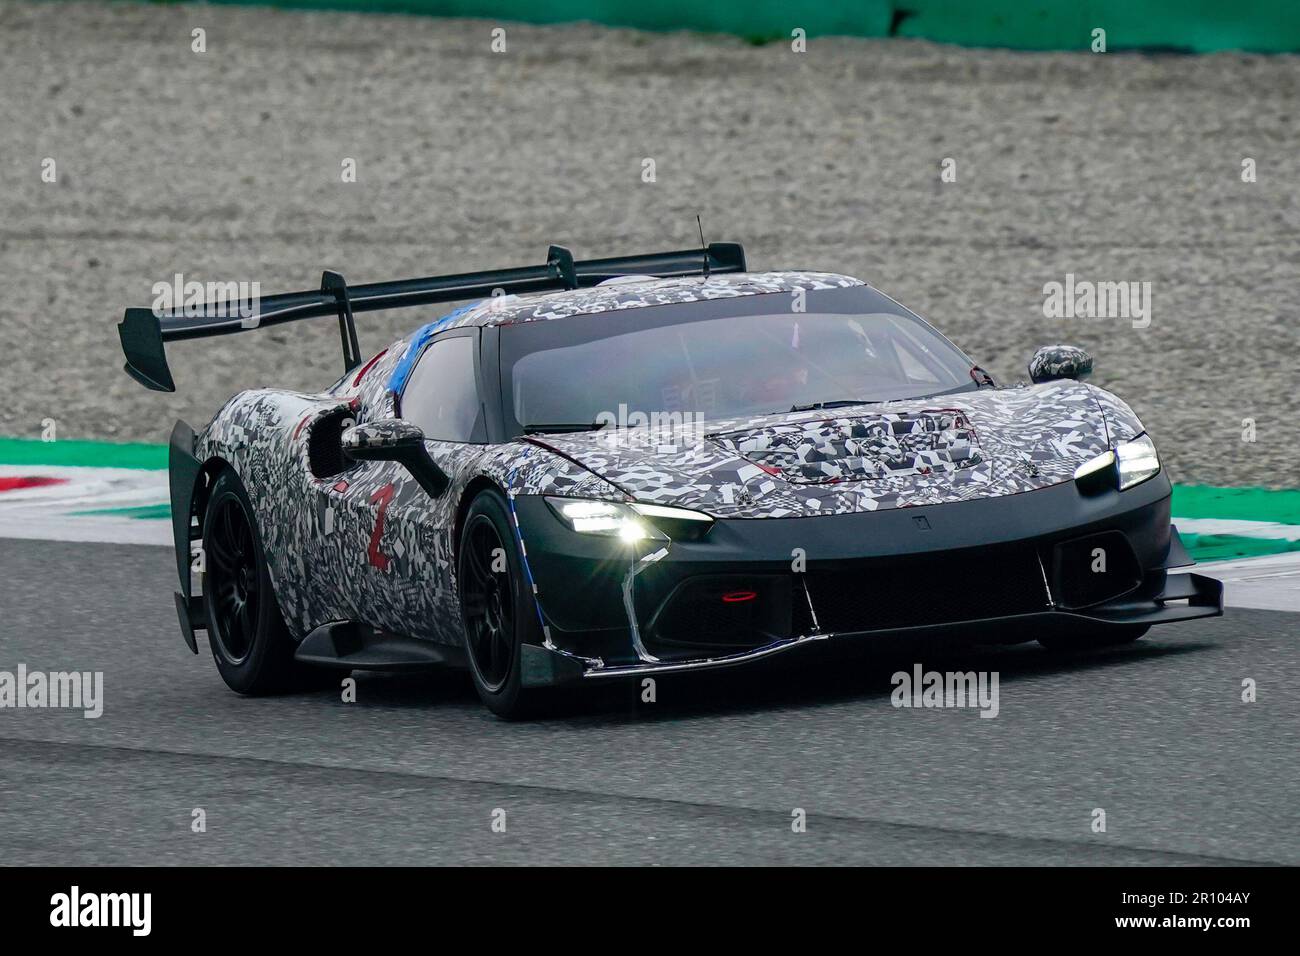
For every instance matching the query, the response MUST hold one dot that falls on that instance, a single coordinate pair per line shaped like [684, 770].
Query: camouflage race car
[647, 464]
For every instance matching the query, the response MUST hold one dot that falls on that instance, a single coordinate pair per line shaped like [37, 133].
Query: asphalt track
[1156, 734]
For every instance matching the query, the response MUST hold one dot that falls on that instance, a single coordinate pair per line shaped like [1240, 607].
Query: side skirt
[356, 646]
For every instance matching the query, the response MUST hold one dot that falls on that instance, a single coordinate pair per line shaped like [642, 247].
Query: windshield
[732, 358]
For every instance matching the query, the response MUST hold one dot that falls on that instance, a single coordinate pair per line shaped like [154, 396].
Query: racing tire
[498, 609]
[1065, 641]
[246, 631]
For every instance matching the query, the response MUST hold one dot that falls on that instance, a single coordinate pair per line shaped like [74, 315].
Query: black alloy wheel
[232, 569]
[488, 597]
[498, 609]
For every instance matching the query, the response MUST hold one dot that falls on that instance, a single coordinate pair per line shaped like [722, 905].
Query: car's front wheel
[497, 606]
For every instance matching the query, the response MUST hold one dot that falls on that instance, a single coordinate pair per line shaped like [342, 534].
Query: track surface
[1155, 734]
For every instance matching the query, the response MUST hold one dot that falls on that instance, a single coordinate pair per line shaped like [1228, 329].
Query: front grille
[709, 621]
[868, 595]
[698, 617]
[921, 591]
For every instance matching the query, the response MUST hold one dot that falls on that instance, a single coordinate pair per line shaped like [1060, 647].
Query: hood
[863, 458]
[863, 446]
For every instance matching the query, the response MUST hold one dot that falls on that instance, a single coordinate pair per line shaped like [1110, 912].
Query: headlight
[634, 522]
[609, 518]
[1138, 461]
[1129, 463]
[680, 524]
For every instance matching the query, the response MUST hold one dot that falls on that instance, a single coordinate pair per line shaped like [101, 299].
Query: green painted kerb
[1230, 547]
[1250, 504]
[97, 454]
[1243, 504]
[159, 512]
[1201, 26]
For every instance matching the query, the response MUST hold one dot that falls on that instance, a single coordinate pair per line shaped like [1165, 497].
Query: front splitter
[1203, 596]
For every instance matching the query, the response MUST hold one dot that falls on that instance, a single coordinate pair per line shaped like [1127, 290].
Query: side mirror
[1052, 362]
[395, 439]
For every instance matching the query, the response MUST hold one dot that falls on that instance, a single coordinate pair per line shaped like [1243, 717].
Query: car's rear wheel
[247, 633]
[1074, 640]
[497, 607]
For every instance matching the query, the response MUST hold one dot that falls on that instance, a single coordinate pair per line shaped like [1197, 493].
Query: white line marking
[1239, 527]
[84, 488]
[1271, 583]
[102, 530]
[47, 512]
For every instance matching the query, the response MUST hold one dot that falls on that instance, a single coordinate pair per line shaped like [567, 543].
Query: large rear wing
[144, 332]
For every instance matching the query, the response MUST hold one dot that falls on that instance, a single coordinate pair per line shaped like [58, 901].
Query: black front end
[1001, 567]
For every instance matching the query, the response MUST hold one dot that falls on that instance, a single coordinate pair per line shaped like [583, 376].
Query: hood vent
[863, 447]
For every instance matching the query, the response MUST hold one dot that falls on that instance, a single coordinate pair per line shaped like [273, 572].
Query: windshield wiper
[541, 429]
[841, 403]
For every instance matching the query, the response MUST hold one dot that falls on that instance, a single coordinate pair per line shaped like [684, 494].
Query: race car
[626, 467]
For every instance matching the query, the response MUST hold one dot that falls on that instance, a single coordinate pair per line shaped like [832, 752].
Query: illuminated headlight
[608, 518]
[680, 524]
[1138, 461]
[634, 522]
[1131, 462]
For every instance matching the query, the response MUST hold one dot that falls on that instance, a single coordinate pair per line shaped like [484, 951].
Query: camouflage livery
[633, 292]
[1059, 361]
[362, 541]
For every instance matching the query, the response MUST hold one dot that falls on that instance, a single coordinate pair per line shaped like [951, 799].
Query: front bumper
[1002, 566]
